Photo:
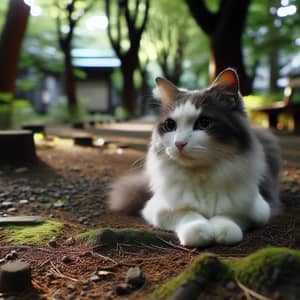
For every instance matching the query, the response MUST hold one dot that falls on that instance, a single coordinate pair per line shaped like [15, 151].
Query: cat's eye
[169, 125]
[203, 123]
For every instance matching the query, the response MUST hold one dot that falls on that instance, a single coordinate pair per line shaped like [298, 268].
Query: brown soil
[56, 278]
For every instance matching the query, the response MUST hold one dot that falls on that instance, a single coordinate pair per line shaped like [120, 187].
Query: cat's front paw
[226, 231]
[195, 234]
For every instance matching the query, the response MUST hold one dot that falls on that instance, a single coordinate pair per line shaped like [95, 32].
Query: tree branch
[205, 18]
[145, 19]
[114, 42]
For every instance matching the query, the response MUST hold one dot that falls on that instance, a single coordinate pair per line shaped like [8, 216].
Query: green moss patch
[268, 268]
[265, 271]
[112, 236]
[33, 234]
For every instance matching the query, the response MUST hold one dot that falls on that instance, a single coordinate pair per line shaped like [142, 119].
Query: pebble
[11, 209]
[52, 243]
[121, 288]
[21, 180]
[21, 170]
[135, 277]
[66, 259]
[95, 278]
[11, 256]
[58, 204]
[230, 286]
[23, 201]
[70, 241]
[6, 204]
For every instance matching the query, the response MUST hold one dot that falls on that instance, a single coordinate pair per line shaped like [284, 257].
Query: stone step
[21, 220]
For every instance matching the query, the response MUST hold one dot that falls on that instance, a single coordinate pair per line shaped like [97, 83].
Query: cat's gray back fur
[269, 182]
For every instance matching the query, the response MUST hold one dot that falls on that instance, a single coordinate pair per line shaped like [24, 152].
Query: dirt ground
[82, 175]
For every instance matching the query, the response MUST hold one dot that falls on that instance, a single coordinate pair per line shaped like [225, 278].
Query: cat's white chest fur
[223, 204]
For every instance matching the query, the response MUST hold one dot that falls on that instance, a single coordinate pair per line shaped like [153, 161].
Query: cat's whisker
[141, 160]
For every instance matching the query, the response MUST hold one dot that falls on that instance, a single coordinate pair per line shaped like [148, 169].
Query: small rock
[71, 287]
[9, 256]
[66, 259]
[70, 241]
[21, 170]
[121, 288]
[230, 286]
[95, 278]
[52, 243]
[12, 255]
[11, 209]
[21, 181]
[135, 277]
[58, 204]
[23, 201]
[6, 204]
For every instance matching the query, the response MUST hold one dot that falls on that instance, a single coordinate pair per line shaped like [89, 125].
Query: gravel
[76, 193]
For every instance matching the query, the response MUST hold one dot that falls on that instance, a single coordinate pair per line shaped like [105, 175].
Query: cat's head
[201, 127]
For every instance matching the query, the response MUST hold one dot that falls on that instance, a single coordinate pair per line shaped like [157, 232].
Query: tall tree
[69, 14]
[125, 31]
[169, 39]
[11, 42]
[224, 29]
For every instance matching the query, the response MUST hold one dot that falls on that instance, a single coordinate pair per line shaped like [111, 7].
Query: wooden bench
[288, 106]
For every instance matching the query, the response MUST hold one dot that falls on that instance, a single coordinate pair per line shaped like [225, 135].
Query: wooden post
[17, 147]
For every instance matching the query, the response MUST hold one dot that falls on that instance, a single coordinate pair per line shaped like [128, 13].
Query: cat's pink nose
[180, 145]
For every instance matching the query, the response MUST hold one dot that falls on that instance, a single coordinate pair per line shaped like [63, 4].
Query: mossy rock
[31, 234]
[112, 236]
[265, 271]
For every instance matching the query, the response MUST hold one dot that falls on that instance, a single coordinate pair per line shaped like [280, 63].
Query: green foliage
[5, 98]
[121, 113]
[257, 100]
[80, 74]
[170, 22]
[60, 113]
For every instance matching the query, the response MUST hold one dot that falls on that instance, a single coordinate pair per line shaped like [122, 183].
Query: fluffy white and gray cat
[208, 174]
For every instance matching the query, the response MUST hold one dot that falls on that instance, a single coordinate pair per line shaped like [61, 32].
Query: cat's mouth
[184, 156]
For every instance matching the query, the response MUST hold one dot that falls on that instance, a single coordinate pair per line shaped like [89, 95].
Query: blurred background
[76, 60]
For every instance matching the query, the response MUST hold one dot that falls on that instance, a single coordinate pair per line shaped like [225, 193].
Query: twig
[179, 247]
[248, 292]
[45, 262]
[104, 257]
[57, 272]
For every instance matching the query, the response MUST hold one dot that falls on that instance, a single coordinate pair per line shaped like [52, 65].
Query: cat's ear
[228, 80]
[166, 91]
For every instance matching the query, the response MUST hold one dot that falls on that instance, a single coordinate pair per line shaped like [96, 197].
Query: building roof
[93, 58]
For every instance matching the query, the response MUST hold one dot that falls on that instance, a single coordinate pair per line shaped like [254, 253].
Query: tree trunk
[70, 83]
[129, 91]
[225, 29]
[10, 44]
[145, 91]
[274, 68]
[227, 52]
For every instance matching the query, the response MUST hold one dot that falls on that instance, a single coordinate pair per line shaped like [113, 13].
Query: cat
[208, 174]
